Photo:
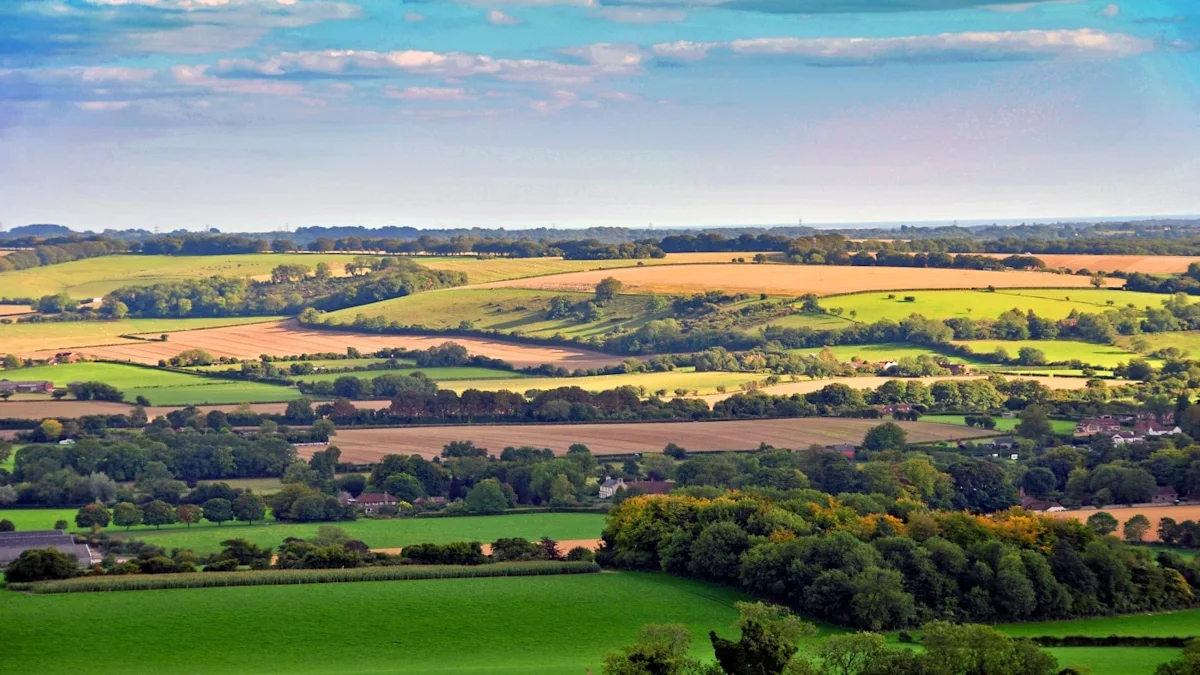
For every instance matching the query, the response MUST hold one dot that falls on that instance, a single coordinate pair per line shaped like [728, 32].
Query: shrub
[41, 564]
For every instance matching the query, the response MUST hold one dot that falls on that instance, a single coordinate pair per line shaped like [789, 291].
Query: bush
[6, 525]
[581, 554]
[41, 564]
[61, 525]
[226, 565]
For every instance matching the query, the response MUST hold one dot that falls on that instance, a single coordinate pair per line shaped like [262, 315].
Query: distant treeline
[58, 250]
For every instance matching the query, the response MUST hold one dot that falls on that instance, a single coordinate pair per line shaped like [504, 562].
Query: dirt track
[794, 280]
[286, 338]
[368, 445]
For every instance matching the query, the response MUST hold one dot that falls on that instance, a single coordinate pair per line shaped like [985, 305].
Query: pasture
[794, 280]
[289, 338]
[515, 311]
[1002, 423]
[95, 277]
[669, 381]
[330, 364]
[205, 537]
[28, 339]
[368, 445]
[161, 387]
[549, 624]
[1185, 341]
[1051, 303]
[1090, 353]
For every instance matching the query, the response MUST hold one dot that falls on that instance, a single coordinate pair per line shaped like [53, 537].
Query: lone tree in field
[1135, 529]
[607, 289]
[126, 515]
[93, 516]
[187, 514]
[249, 507]
[1035, 423]
[886, 436]
[218, 511]
[158, 513]
[1102, 522]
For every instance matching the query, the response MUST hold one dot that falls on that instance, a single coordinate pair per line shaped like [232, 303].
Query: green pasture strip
[1051, 303]
[1090, 353]
[1165, 624]
[153, 582]
[683, 378]
[545, 624]
[1002, 423]
[162, 387]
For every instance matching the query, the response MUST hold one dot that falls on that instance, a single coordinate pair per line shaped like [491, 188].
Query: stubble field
[795, 280]
[368, 445]
[1146, 264]
[1123, 513]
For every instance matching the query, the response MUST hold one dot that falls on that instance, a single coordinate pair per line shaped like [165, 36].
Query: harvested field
[368, 445]
[498, 269]
[39, 340]
[1146, 264]
[1124, 513]
[15, 310]
[286, 338]
[794, 280]
[808, 386]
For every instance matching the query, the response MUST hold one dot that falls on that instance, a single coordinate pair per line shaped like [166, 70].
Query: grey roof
[35, 538]
[80, 551]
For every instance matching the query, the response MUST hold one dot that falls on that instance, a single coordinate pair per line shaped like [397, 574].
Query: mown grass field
[1090, 353]
[888, 351]
[513, 311]
[1052, 303]
[28, 337]
[205, 537]
[161, 387]
[1002, 423]
[1185, 341]
[683, 378]
[94, 277]
[550, 624]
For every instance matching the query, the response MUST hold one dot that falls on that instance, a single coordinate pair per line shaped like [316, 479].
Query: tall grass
[141, 582]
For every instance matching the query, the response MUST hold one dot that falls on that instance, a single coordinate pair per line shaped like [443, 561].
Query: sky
[257, 115]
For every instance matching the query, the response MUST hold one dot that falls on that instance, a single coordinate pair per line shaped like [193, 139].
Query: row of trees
[247, 507]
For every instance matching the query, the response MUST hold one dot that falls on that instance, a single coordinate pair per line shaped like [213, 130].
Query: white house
[609, 487]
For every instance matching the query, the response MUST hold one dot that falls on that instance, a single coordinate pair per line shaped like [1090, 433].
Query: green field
[94, 277]
[1090, 353]
[204, 537]
[485, 270]
[1166, 624]
[509, 310]
[1186, 341]
[886, 351]
[161, 387]
[1002, 423]
[333, 364]
[27, 337]
[1114, 660]
[550, 624]
[813, 321]
[449, 373]
[1046, 302]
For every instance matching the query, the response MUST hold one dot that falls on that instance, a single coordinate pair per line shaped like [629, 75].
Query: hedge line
[1110, 641]
[140, 582]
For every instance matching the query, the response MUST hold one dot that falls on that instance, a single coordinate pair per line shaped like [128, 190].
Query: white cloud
[102, 106]
[499, 18]
[414, 17]
[429, 93]
[1111, 11]
[416, 62]
[946, 47]
[609, 54]
[197, 76]
[625, 14]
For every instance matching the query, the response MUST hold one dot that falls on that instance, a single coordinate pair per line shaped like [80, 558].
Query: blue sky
[256, 114]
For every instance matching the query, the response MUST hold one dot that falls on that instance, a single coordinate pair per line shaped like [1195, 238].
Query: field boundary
[145, 582]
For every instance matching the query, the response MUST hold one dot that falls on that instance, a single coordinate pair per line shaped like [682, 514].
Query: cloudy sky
[256, 114]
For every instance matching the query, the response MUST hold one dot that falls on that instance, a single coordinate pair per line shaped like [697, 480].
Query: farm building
[1148, 428]
[644, 487]
[1165, 495]
[370, 501]
[1098, 425]
[610, 486]
[846, 449]
[33, 387]
[12, 544]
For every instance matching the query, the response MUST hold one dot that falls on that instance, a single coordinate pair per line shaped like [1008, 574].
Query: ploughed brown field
[1123, 513]
[1146, 264]
[368, 445]
[873, 382]
[793, 280]
[287, 338]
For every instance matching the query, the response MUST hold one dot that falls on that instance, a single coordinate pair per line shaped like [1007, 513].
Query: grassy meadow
[1002, 423]
[332, 364]
[549, 624]
[683, 378]
[1090, 353]
[66, 335]
[94, 277]
[1052, 303]
[1184, 341]
[161, 387]
[205, 537]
